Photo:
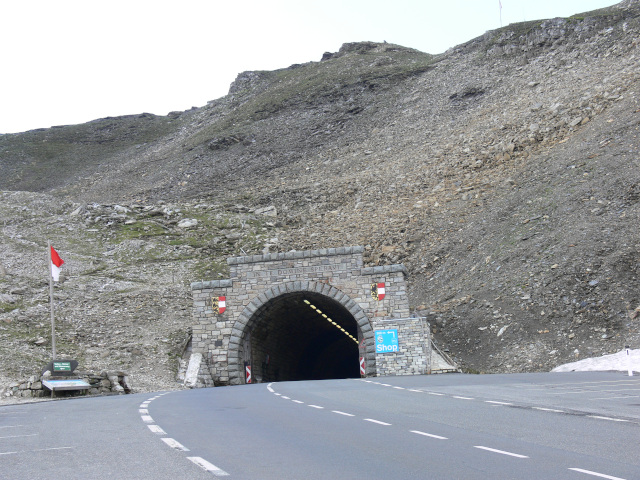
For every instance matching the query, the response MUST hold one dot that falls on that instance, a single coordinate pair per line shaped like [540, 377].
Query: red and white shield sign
[219, 304]
[362, 370]
[247, 370]
[377, 291]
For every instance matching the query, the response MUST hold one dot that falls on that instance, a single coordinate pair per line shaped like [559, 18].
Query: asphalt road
[524, 426]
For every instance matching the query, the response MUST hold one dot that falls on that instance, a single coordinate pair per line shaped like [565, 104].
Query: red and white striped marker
[247, 370]
[362, 369]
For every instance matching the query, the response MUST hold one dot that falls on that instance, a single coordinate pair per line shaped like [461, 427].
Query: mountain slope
[503, 173]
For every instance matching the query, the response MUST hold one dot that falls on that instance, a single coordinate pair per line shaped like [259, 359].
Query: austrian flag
[56, 265]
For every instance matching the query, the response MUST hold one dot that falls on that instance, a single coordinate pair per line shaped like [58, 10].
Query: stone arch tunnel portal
[302, 315]
[301, 336]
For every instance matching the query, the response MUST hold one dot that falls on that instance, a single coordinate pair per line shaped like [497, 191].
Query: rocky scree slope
[503, 173]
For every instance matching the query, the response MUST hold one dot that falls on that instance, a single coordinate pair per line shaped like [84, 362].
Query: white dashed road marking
[175, 444]
[607, 418]
[343, 413]
[18, 436]
[502, 452]
[429, 435]
[37, 450]
[157, 429]
[209, 467]
[595, 474]
[376, 421]
[548, 409]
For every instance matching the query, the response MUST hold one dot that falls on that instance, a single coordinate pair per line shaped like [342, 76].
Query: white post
[53, 323]
[629, 362]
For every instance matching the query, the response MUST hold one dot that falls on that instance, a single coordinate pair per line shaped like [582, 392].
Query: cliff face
[503, 173]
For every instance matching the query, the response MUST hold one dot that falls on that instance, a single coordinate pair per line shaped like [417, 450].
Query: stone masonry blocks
[337, 273]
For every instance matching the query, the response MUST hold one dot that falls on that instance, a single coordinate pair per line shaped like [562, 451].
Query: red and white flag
[56, 264]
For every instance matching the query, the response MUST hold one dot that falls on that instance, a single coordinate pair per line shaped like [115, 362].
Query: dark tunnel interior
[302, 336]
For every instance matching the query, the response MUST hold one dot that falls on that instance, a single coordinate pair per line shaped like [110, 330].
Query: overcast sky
[71, 61]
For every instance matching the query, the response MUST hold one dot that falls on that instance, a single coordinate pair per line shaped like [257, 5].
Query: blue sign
[386, 341]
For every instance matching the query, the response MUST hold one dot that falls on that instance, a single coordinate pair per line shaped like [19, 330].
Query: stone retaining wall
[102, 383]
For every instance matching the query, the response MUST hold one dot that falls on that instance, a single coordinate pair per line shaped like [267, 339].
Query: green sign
[61, 366]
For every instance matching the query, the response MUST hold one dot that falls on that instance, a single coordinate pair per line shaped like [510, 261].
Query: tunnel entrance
[301, 336]
[300, 315]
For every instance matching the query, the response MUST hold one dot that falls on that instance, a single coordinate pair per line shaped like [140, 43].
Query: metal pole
[53, 323]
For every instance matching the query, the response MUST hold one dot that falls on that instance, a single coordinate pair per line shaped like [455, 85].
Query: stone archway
[263, 288]
[300, 330]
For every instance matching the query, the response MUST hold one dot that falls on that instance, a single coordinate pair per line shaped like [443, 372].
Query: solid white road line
[595, 474]
[343, 413]
[157, 429]
[607, 418]
[500, 451]
[376, 421]
[209, 467]
[174, 444]
[429, 435]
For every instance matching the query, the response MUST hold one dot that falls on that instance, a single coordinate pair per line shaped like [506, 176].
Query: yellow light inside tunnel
[332, 322]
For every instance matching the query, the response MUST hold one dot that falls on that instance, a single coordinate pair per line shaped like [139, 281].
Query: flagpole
[53, 323]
